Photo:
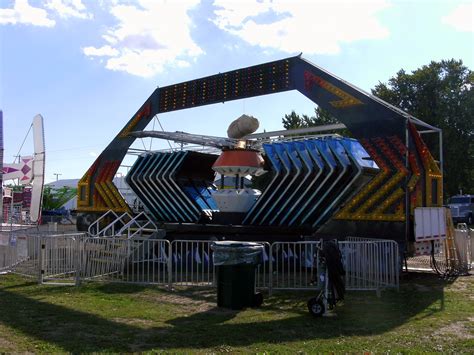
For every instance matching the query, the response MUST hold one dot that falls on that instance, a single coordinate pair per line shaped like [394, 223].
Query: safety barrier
[464, 247]
[143, 261]
[59, 257]
[68, 259]
[294, 265]
[191, 263]
[19, 253]
[369, 265]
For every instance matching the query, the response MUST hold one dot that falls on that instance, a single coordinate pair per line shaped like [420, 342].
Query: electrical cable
[449, 272]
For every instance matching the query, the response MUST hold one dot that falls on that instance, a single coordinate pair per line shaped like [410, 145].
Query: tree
[55, 198]
[442, 95]
[321, 117]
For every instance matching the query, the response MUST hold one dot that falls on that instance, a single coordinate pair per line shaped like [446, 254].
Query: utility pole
[57, 174]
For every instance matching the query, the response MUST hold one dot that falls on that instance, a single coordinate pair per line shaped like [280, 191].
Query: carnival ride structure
[320, 185]
[24, 206]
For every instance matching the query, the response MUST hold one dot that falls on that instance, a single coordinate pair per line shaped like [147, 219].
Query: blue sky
[87, 66]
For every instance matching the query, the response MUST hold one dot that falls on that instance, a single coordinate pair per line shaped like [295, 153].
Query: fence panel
[19, 253]
[191, 263]
[463, 242]
[138, 260]
[263, 274]
[369, 264]
[59, 257]
[294, 265]
[8, 252]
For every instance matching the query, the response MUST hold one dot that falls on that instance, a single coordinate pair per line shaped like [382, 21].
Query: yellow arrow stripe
[346, 100]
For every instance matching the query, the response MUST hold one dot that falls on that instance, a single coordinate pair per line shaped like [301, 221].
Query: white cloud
[461, 18]
[104, 51]
[23, 13]
[69, 8]
[93, 154]
[149, 35]
[313, 27]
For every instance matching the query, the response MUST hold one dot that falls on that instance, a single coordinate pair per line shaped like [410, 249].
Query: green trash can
[235, 264]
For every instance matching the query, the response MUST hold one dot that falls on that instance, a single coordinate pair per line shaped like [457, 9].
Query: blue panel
[328, 156]
[339, 152]
[207, 196]
[272, 156]
[276, 192]
[304, 155]
[320, 153]
[292, 187]
[326, 153]
[360, 155]
[196, 196]
[344, 156]
[255, 210]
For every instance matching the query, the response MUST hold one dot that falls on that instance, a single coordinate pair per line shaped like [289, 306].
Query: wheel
[316, 307]
[257, 299]
[469, 220]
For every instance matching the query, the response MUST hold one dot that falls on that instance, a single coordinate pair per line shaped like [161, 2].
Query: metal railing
[139, 260]
[137, 226]
[68, 259]
[293, 265]
[59, 257]
[371, 264]
[191, 264]
[19, 253]
[95, 230]
[464, 247]
[122, 225]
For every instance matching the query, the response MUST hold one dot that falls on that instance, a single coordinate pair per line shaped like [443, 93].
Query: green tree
[320, 118]
[55, 198]
[441, 94]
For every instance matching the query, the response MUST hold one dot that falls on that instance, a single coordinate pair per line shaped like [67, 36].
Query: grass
[427, 315]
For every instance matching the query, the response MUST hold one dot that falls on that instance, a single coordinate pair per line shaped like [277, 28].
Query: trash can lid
[232, 252]
[236, 244]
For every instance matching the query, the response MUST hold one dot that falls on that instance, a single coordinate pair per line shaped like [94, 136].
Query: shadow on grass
[363, 314]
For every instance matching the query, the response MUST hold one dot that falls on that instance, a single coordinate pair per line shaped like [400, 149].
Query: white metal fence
[464, 246]
[369, 265]
[59, 257]
[68, 259]
[143, 261]
[19, 252]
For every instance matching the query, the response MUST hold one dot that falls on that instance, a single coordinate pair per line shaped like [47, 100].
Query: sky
[87, 65]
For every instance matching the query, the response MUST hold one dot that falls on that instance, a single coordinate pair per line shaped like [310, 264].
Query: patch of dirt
[134, 321]
[463, 284]
[198, 301]
[458, 329]
[6, 345]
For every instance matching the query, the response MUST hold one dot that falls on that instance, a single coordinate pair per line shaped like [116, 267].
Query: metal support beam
[297, 131]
